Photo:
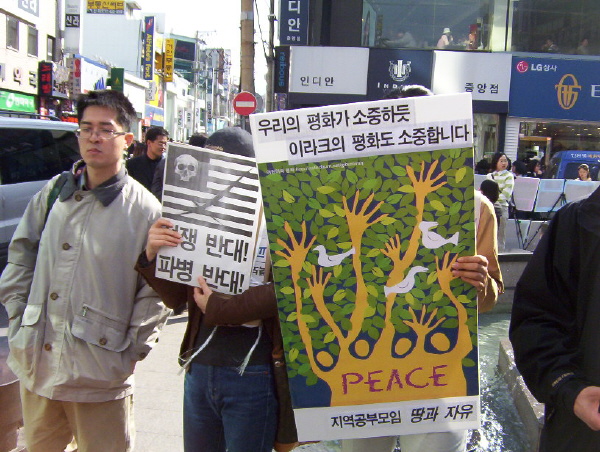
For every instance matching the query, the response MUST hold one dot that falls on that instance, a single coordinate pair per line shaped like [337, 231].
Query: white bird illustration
[407, 283]
[431, 239]
[331, 261]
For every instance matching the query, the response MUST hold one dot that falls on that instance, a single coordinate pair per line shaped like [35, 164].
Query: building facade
[529, 64]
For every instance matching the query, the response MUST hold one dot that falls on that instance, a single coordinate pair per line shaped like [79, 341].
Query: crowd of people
[85, 306]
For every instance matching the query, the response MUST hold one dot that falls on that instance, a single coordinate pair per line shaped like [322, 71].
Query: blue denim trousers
[226, 411]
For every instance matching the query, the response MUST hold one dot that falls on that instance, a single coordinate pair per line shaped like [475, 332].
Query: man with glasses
[79, 315]
[143, 167]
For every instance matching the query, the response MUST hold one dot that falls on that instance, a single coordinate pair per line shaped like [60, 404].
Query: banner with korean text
[213, 199]
[368, 205]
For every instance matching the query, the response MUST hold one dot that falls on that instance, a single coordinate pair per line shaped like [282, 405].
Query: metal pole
[270, 59]
[195, 68]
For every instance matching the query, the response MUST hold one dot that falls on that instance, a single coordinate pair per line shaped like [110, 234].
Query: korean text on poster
[213, 199]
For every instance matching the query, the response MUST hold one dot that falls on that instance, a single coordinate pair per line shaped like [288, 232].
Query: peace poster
[367, 207]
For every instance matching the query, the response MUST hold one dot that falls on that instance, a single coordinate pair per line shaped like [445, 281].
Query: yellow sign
[105, 6]
[567, 91]
[169, 60]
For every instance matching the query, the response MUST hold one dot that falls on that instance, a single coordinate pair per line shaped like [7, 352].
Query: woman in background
[506, 183]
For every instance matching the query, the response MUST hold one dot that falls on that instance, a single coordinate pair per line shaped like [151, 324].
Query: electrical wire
[260, 31]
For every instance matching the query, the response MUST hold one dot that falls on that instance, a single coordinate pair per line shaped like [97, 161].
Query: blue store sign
[555, 89]
[293, 22]
[393, 68]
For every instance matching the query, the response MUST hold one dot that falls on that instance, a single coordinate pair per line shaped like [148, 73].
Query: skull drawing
[186, 167]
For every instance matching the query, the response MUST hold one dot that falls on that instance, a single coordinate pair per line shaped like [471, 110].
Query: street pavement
[158, 395]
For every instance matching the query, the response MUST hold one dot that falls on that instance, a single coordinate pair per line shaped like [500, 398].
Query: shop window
[430, 24]
[12, 33]
[556, 26]
[50, 55]
[32, 41]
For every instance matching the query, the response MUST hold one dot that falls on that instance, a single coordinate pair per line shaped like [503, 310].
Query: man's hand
[202, 293]
[587, 405]
[472, 270]
[161, 234]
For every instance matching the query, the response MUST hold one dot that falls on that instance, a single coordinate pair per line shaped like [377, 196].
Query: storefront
[554, 106]
[53, 90]
[487, 77]
[17, 102]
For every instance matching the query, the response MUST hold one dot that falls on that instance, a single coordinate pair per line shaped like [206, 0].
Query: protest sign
[213, 199]
[367, 206]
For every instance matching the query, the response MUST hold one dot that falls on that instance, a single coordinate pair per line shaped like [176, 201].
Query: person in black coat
[143, 167]
[554, 328]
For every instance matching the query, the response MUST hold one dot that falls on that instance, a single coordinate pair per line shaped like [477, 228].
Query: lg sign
[522, 66]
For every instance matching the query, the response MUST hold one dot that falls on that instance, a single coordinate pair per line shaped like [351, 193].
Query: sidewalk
[158, 396]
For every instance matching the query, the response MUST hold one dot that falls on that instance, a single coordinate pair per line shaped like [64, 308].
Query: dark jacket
[256, 303]
[142, 169]
[555, 324]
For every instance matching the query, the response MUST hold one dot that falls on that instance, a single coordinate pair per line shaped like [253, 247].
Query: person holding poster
[486, 225]
[236, 395]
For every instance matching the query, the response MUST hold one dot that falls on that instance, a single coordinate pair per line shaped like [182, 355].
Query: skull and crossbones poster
[213, 199]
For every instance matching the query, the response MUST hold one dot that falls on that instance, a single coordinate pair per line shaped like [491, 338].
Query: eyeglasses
[105, 134]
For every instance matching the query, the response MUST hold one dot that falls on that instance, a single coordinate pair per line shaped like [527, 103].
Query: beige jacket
[79, 312]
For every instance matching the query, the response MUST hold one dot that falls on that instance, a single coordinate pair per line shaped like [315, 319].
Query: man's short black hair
[115, 100]
[154, 132]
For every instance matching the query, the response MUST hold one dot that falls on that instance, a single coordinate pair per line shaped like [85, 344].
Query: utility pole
[247, 46]
[271, 58]
[247, 49]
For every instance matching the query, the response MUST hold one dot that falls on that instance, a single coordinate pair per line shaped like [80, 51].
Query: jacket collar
[106, 192]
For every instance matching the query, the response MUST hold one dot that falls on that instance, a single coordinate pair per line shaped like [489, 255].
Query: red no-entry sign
[244, 103]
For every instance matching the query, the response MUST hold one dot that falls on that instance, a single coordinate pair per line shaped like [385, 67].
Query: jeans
[226, 411]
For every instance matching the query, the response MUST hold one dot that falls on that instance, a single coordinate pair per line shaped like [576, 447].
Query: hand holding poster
[368, 206]
[213, 199]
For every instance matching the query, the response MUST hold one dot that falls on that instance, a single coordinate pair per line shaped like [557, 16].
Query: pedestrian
[143, 167]
[445, 40]
[236, 395]
[506, 183]
[483, 272]
[554, 328]
[80, 316]
[519, 169]
[583, 172]
[490, 189]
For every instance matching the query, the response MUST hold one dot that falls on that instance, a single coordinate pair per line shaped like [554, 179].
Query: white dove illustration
[331, 261]
[433, 240]
[407, 283]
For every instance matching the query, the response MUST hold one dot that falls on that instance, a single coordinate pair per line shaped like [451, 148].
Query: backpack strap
[54, 192]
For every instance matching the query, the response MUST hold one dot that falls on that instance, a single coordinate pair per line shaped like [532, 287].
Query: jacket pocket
[23, 338]
[97, 328]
